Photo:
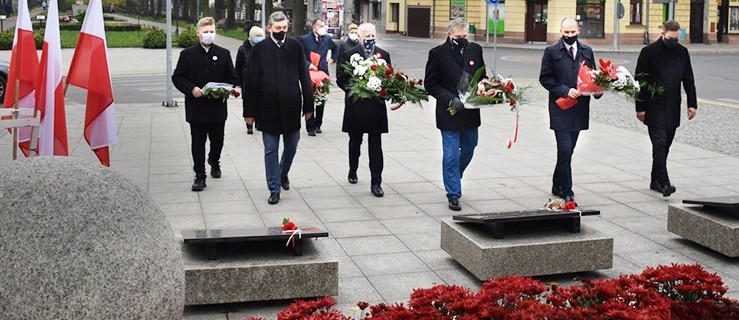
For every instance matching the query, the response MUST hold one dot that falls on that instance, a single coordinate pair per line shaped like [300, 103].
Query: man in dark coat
[320, 42]
[277, 91]
[364, 115]
[559, 68]
[664, 63]
[256, 34]
[446, 65]
[352, 40]
[202, 63]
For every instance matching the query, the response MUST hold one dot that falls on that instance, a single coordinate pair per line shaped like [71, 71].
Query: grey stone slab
[355, 289]
[460, 277]
[174, 197]
[322, 192]
[632, 196]
[396, 212]
[629, 242]
[344, 215]
[437, 210]
[438, 260]
[421, 241]
[717, 231]
[372, 245]
[497, 205]
[389, 263]
[244, 272]
[614, 212]
[226, 207]
[233, 221]
[400, 286]
[523, 250]
[389, 200]
[357, 229]
[186, 222]
[656, 257]
[332, 203]
[423, 224]
[426, 197]
[416, 187]
[176, 209]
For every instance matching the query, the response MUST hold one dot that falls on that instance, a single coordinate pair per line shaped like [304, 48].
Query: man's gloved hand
[455, 105]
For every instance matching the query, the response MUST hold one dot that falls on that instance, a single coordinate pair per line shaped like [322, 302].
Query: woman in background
[256, 34]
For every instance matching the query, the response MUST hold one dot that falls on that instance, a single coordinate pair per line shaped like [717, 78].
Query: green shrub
[38, 37]
[109, 26]
[81, 17]
[155, 38]
[6, 39]
[187, 38]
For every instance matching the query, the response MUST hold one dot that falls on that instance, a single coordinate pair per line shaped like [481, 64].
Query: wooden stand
[17, 121]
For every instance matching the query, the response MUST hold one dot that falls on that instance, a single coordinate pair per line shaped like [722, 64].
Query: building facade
[529, 21]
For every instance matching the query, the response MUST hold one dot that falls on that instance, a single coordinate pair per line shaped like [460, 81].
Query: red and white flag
[49, 91]
[24, 67]
[89, 70]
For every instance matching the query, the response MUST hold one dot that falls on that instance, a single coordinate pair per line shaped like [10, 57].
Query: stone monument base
[527, 250]
[715, 230]
[257, 272]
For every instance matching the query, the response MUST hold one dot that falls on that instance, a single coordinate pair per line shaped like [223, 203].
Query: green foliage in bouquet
[220, 93]
[374, 79]
[320, 92]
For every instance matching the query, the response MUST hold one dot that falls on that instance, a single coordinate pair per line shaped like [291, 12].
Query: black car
[4, 66]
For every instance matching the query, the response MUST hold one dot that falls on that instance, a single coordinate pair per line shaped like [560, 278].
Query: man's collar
[277, 42]
[206, 48]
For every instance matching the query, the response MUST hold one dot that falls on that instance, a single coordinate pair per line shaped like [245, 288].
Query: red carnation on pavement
[362, 305]
[383, 92]
[373, 67]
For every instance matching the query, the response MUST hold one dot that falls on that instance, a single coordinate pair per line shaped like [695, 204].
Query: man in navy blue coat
[320, 42]
[559, 68]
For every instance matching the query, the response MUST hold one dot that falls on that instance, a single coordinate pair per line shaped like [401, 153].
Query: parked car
[4, 66]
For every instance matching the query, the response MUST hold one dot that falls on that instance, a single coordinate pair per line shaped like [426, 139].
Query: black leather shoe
[249, 129]
[667, 190]
[555, 191]
[377, 191]
[285, 183]
[352, 177]
[274, 198]
[199, 183]
[215, 169]
[454, 204]
[570, 199]
[312, 133]
[655, 186]
[318, 130]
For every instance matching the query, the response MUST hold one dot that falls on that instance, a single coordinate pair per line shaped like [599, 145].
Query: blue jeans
[274, 170]
[459, 146]
[562, 178]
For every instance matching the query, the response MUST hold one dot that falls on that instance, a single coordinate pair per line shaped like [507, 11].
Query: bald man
[559, 68]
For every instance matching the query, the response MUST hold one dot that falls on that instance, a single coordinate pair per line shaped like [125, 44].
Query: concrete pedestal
[257, 272]
[527, 250]
[717, 231]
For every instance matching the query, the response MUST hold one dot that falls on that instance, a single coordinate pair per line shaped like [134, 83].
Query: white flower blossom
[360, 70]
[381, 62]
[356, 58]
[374, 84]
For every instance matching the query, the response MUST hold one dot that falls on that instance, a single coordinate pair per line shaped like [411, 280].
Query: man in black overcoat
[202, 63]
[278, 91]
[445, 67]
[664, 64]
[364, 115]
[559, 68]
[320, 42]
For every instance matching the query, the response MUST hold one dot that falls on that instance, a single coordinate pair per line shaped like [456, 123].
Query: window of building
[375, 10]
[591, 15]
[394, 12]
[636, 12]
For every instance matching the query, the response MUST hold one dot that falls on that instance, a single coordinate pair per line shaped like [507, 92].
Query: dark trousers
[562, 178]
[200, 132]
[376, 162]
[661, 142]
[316, 121]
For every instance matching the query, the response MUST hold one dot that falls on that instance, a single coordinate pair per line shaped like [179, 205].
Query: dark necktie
[571, 52]
[318, 39]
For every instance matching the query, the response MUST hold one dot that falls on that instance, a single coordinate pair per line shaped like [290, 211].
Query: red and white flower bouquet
[374, 78]
[610, 77]
[220, 90]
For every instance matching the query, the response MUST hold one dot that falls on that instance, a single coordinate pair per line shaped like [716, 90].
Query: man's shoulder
[437, 49]
[190, 50]
[219, 49]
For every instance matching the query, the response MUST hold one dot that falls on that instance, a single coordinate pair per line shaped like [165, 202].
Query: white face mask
[322, 31]
[208, 38]
[353, 37]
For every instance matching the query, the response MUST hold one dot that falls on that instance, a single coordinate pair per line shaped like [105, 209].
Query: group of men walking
[273, 71]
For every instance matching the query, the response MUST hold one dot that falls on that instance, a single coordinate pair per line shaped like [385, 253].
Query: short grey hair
[254, 32]
[458, 23]
[276, 16]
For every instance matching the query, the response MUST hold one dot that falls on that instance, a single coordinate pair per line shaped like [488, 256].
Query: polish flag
[24, 67]
[89, 70]
[50, 93]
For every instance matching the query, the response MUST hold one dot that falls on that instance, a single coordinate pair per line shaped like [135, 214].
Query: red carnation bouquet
[220, 90]
[374, 78]
[609, 77]
[320, 81]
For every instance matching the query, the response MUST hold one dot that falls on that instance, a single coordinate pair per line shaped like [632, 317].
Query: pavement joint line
[718, 103]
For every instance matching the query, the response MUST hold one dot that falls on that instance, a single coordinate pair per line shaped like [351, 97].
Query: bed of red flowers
[666, 292]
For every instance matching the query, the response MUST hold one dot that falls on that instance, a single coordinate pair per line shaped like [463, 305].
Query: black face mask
[369, 44]
[569, 40]
[670, 43]
[461, 42]
[279, 36]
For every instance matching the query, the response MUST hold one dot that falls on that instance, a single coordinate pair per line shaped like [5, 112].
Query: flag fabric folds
[23, 67]
[49, 91]
[89, 70]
